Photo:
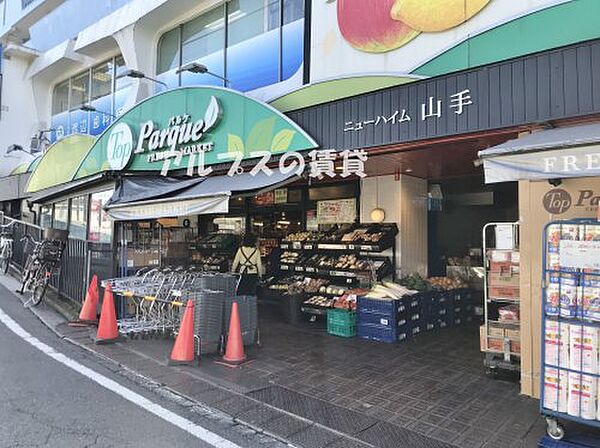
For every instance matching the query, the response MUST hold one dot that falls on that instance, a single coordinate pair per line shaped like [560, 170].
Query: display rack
[570, 324]
[214, 252]
[501, 338]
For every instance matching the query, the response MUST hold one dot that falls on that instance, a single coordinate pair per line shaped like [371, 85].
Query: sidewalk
[314, 390]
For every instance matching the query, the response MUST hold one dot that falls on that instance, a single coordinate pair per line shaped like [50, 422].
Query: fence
[80, 260]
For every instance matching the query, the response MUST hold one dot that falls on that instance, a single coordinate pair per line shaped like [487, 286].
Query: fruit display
[389, 290]
[332, 290]
[299, 237]
[290, 257]
[210, 262]
[298, 284]
[414, 282]
[345, 303]
[319, 301]
[446, 283]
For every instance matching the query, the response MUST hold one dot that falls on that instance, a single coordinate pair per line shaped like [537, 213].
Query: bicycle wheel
[38, 292]
[4, 262]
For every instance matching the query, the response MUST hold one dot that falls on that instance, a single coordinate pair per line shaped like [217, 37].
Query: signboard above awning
[572, 151]
[190, 129]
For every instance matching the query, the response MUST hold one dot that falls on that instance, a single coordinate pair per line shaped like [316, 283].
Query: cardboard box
[514, 335]
[497, 292]
[496, 345]
[515, 346]
[482, 338]
[504, 268]
[504, 280]
[496, 332]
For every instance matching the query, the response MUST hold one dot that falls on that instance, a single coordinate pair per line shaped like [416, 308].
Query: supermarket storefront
[166, 166]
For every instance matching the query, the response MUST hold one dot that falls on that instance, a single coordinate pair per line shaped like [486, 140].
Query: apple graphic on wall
[368, 25]
[436, 15]
[379, 26]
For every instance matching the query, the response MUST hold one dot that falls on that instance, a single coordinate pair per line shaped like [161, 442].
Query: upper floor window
[97, 87]
[252, 43]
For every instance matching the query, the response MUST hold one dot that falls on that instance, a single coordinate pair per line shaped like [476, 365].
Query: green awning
[60, 162]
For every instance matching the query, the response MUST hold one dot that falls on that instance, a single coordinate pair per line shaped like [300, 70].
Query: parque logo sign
[191, 128]
[181, 137]
[119, 147]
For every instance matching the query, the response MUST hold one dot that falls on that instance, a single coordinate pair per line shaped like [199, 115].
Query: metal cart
[501, 239]
[570, 324]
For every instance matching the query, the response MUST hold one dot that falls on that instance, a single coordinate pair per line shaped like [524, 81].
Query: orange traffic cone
[183, 350]
[87, 316]
[234, 353]
[107, 328]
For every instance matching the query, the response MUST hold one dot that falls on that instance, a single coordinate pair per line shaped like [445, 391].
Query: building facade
[420, 90]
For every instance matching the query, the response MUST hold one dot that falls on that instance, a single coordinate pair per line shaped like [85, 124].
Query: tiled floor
[430, 391]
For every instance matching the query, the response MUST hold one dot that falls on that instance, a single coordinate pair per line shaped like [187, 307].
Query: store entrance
[458, 209]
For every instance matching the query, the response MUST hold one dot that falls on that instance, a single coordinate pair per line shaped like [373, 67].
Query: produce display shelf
[318, 311]
[337, 246]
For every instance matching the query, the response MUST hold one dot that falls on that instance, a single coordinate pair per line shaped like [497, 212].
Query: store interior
[325, 247]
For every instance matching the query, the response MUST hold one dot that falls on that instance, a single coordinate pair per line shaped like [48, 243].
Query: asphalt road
[45, 403]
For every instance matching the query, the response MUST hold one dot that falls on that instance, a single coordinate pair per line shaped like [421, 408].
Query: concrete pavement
[46, 403]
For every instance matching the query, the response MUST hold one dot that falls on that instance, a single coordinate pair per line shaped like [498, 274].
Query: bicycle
[40, 266]
[6, 246]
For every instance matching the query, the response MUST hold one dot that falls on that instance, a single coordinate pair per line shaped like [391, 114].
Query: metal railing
[80, 260]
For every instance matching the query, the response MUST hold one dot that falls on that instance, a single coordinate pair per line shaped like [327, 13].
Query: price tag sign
[580, 254]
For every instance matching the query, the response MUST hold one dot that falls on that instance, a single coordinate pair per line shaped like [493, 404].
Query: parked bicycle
[42, 263]
[6, 245]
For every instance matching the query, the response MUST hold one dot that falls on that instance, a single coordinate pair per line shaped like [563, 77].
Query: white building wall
[405, 203]
[18, 119]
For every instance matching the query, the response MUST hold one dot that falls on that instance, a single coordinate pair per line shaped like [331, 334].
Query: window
[46, 216]
[100, 224]
[203, 40]
[168, 51]
[261, 50]
[102, 78]
[120, 67]
[61, 215]
[78, 219]
[253, 51]
[60, 98]
[96, 86]
[80, 90]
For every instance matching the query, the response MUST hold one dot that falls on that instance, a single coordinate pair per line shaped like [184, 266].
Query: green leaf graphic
[282, 140]
[261, 135]
[235, 143]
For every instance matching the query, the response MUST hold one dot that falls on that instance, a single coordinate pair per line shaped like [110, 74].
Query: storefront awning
[572, 151]
[194, 197]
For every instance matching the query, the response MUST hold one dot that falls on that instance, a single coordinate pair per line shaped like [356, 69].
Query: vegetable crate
[341, 323]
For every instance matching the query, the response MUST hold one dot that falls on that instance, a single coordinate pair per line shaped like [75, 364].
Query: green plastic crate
[341, 323]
